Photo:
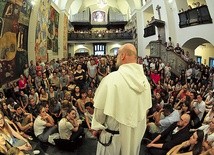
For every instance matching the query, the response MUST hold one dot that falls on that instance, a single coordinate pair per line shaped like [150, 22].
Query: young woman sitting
[193, 146]
[8, 134]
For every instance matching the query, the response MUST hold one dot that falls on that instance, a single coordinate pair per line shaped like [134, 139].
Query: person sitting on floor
[175, 134]
[193, 146]
[44, 125]
[160, 124]
[22, 119]
[7, 133]
[89, 106]
[69, 126]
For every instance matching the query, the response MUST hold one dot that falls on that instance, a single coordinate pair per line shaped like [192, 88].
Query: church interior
[57, 35]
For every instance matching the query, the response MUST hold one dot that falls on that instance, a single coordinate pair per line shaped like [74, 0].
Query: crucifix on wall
[158, 7]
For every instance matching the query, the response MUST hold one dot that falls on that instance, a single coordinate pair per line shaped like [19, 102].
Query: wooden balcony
[89, 36]
[195, 16]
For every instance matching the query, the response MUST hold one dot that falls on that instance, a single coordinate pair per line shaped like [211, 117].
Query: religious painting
[133, 26]
[53, 31]
[25, 11]
[17, 2]
[98, 16]
[8, 46]
[65, 36]
[42, 31]
[13, 41]
[22, 38]
[2, 6]
[11, 11]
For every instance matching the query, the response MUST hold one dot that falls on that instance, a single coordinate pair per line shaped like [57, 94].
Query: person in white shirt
[199, 107]
[44, 125]
[69, 126]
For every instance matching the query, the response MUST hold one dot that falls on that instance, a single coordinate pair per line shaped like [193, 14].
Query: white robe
[123, 96]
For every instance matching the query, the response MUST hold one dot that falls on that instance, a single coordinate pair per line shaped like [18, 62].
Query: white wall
[206, 52]
[190, 2]
[147, 17]
[89, 47]
[201, 31]
[169, 14]
[110, 46]
[123, 6]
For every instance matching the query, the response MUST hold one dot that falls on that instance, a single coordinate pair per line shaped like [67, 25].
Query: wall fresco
[65, 37]
[53, 27]
[13, 38]
[42, 30]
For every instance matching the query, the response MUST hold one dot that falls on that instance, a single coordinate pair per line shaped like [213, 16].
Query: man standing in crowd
[121, 103]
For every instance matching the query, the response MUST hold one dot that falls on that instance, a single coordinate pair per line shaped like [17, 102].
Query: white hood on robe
[133, 73]
[115, 95]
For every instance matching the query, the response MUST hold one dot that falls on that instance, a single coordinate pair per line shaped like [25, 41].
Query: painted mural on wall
[53, 26]
[65, 37]
[42, 30]
[14, 21]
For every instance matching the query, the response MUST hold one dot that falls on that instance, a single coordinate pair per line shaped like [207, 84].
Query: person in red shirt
[22, 83]
[155, 76]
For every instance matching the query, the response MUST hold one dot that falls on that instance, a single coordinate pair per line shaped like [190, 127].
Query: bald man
[121, 102]
[175, 134]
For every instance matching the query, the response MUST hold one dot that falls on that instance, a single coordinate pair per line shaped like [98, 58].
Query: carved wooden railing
[195, 16]
[157, 49]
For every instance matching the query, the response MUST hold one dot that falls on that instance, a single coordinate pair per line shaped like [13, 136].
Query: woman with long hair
[11, 136]
[80, 76]
[43, 95]
[4, 146]
[193, 146]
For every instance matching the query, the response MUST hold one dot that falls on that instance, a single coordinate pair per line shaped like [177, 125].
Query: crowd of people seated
[53, 97]
[57, 97]
[180, 120]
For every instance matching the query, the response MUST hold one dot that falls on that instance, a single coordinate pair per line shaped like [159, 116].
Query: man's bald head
[184, 120]
[127, 54]
[129, 49]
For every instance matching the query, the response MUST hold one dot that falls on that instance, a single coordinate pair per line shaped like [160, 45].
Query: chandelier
[101, 3]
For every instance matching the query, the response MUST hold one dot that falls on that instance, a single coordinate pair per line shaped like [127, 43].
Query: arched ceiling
[74, 6]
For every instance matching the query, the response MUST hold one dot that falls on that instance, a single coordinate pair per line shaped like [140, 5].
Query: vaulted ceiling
[75, 6]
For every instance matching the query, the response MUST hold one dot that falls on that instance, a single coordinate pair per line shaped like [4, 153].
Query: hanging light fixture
[101, 3]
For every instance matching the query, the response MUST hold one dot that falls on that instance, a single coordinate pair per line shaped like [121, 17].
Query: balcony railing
[177, 64]
[100, 36]
[195, 16]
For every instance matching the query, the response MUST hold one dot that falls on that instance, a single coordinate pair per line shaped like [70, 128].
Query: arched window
[114, 51]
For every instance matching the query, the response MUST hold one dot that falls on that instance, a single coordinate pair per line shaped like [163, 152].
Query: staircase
[157, 49]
